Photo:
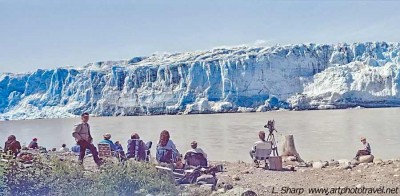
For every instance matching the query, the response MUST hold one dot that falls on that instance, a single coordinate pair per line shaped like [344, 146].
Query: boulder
[206, 179]
[318, 165]
[249, 193]
[239, 191]
[291, 158]
[344, 161]
[334, 163]
[345, 164]
[236, 177]
[378, 161]
[228, 187]
[221, 190]
[366, 159]
[206, 187]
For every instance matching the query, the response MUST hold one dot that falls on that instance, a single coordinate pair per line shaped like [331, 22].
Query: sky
[55, 33]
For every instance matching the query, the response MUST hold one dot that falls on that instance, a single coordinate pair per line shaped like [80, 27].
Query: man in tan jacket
[82, 135]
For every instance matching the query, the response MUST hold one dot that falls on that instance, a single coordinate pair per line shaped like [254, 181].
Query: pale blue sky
[52, 33]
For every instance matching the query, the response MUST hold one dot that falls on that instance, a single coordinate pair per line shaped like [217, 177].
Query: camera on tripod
[271, 127]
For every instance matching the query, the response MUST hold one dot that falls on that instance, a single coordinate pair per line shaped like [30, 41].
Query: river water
[319, 135]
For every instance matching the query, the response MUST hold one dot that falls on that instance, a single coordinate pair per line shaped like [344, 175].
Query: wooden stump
[289, 149]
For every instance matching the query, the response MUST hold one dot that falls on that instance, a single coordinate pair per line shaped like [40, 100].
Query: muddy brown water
[319, 135]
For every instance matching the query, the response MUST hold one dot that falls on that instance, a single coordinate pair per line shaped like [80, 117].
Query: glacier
[237, 79]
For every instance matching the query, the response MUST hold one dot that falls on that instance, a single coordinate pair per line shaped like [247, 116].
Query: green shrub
[2, 177]
[55, 177]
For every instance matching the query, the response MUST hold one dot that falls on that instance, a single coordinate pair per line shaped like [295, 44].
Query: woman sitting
[166, 149]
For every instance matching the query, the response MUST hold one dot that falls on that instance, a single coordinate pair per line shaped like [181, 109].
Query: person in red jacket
[12, 145]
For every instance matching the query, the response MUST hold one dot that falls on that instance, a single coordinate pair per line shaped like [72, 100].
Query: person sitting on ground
[12, 145]
[33, 144]
[118, 146]
[63, 148]
[76, 148]
[166, 149]
[366, 150]
[107, 140]
[261, 136]
[196, 156]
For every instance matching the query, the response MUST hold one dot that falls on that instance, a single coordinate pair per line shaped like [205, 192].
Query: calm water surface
[318, 135]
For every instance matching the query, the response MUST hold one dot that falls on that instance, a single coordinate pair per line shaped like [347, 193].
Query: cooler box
[275, 163]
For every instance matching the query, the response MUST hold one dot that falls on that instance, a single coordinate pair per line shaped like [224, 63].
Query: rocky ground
[240, 178]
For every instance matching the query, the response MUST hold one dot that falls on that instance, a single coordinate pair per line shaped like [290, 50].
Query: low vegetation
[52, 176]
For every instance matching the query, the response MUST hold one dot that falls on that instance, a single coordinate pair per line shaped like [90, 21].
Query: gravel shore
[240, 176]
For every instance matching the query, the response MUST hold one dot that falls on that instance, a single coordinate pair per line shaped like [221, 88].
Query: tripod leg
[275, 147]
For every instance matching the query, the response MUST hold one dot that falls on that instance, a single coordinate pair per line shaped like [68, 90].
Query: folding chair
[195, 159]
[164, 155]
[262, 152]
[104, 150]
[137, 150]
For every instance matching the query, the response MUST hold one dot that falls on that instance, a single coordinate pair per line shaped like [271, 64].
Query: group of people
[365, 150]
[13, 146]
[166, 150]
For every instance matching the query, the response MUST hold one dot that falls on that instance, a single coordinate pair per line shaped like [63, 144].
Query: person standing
[81, 133]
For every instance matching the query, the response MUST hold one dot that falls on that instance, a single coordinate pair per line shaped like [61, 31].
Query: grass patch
[52, 176]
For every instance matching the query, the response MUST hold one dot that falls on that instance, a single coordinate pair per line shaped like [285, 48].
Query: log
[289, 149]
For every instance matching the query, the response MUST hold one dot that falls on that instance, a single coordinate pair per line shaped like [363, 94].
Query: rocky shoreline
[244, 179]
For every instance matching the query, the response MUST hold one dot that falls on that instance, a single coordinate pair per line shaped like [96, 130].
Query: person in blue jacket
[107, 140]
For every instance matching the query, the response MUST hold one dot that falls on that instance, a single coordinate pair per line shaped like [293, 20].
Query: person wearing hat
[33, 144]
[81, 133]
[366, 150]
[107, 140]
[196, 150]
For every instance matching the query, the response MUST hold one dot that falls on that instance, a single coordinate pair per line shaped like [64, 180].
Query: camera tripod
[271, 137]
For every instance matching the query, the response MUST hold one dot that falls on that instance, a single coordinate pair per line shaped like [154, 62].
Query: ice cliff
[305, 76]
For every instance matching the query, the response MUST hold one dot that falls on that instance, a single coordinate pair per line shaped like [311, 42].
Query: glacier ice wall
[305, 76]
